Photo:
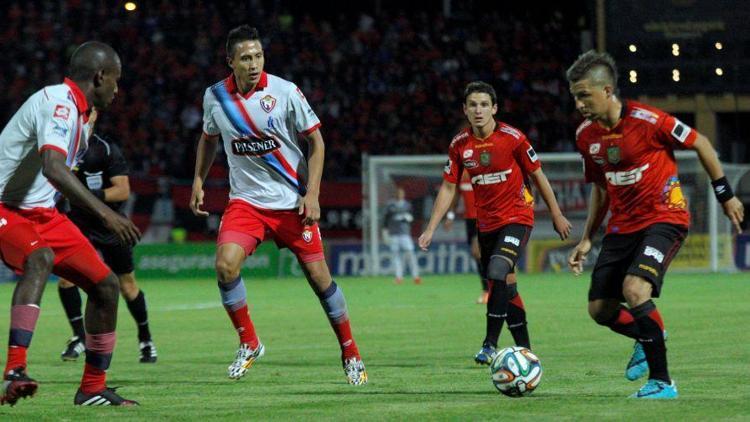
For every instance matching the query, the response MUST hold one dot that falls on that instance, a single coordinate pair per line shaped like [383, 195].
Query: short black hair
[481, 87]
[240, 34]
[91, 57]
[599, 67]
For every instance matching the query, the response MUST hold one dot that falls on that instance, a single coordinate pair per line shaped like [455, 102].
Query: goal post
[709, 246]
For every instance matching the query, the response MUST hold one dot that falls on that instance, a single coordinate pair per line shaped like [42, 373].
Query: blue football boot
[485, 355]
[657, 389]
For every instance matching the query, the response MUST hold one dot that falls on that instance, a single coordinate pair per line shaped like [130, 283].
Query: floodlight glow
[130, 6]
[632, 48]
[675, 75]
[719, 45]
[719, 71]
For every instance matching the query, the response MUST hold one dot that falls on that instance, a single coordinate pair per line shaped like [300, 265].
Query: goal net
[709, 247]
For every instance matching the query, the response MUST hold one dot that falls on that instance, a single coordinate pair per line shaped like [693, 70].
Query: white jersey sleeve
[209, 123]
[305, 119]
[56, 125]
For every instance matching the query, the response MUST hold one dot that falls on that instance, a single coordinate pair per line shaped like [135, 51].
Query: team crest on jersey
[307, 235]
[61, 112]
[485, 158]
[267, 103]
[613, 154]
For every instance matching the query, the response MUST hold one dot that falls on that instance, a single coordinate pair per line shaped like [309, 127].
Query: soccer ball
[515, 371]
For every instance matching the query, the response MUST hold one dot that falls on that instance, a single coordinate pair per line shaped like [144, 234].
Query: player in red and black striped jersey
[628, 154]
[499, 161]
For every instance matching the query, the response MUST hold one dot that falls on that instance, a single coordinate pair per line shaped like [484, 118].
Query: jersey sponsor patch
[447, 168]
[468, 153]
[654, 253]
[624, 178]
[61, 112]
[267, 103]
[680, 131]
[254, 146]
[491, 178]
[59, 129]
[512, 240]
[470, 164]
[595, 148]
[643, 114]
[94, 180]
[532, 155]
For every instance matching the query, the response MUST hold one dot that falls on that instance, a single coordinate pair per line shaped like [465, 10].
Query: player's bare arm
[445, 198]
[733, 208]
[598, 206]
[204, 158]
[119, 191]
[451, 215]
[310, 206]
[561, 224]
[57, 172]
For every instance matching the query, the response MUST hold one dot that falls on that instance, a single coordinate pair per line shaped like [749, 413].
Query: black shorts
[471, 229]
[117, 256]
[645, 253]
[507, 241]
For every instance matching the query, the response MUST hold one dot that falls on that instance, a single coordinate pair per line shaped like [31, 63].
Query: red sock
[244, 325]
[16, 358]
[343, 332]
[22, 324]
[99, 349]
[656, 317]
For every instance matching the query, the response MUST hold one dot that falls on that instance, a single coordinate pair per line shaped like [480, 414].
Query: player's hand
[196, 201]
[562, 226]
[310, 208]
[578, 256]
[425, 239]
[125, 230]
[735, 211]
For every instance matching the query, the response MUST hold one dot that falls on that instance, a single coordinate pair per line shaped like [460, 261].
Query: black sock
[137, 308]
[652, 338]
[623, 322]
[71, 301]
[497, 310]
[517, 318]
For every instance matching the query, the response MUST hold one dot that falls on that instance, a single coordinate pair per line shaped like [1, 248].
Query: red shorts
[247, 226]
[24, 231]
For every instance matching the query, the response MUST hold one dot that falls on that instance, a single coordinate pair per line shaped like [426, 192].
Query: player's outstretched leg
[517, 315]
[135, 299]
[332, 299]
[229, 259]
[70, 297]
[101, 320]
[497, 307]
[24, 314]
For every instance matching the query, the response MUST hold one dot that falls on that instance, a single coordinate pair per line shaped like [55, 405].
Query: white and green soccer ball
[515, 371]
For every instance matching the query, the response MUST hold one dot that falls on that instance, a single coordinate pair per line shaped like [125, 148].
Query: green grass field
[417, 343]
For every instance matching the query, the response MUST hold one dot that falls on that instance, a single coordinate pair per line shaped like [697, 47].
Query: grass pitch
[417, 342]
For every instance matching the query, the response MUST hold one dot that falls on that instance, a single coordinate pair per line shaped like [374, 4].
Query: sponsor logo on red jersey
[624, 178]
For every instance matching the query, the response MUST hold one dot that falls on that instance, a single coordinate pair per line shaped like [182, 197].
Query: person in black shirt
[104, 171]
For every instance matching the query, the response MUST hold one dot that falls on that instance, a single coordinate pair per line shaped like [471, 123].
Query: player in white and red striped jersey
[38, 147]
[499, 160]
[274, 194]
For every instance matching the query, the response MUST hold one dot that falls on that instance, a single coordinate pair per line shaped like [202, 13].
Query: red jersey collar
[232, 85]
[79, 99]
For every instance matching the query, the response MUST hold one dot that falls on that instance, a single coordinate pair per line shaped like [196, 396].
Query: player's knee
[498, 268]
[636, 290]
[40, 259]
[107, 290]
[599, 313]
[226, 270]
[128, 288]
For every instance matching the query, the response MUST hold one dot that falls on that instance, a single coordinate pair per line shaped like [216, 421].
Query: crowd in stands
[382, 83]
